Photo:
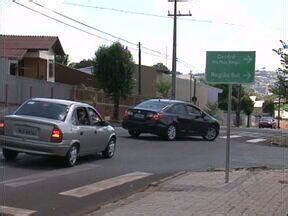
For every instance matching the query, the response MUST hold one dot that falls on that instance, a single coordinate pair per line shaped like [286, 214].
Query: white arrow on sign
[248, 59]
[247, 75]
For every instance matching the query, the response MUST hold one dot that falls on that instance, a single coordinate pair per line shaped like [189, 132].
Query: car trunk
[142, 114]
[29, 127]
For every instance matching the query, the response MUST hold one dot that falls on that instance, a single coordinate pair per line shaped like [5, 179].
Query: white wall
[4, 67]
[205, 94]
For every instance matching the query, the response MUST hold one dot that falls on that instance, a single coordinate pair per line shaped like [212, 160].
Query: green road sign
[230, 67]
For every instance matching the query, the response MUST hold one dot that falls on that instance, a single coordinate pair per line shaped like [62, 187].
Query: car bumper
[266, 125]
[33, 146]
[145, 127]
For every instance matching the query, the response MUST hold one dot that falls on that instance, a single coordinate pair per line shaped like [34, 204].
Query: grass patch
[280, 140]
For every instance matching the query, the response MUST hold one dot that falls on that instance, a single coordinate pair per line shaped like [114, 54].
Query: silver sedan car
[56, 127]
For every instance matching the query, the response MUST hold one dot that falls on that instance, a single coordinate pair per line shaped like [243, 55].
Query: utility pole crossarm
[179, 14]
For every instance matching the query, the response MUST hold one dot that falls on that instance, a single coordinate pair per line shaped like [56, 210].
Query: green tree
[113, 70]
[163, 87]
[268, 107]
[82, 64]
[162, 67]
[223, 97]
[247, 105]
[213, 110]
[62, 59]
[279, 88]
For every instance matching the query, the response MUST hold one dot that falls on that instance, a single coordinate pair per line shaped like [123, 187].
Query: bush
[213, 110]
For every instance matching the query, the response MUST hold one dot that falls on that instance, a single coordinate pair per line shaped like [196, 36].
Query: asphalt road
[40, 184]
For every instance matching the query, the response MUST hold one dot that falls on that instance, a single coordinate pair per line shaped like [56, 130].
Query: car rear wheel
[134, 133]
[211, 133]
[72, 156]
[110, 149]
[9, 155]
[171, 133]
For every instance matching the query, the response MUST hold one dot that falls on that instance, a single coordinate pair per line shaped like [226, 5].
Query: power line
[57, 20]
[79, 29]
[96, 29]
[82, 23]
[116, 10]
[149, 14]
[162, 16]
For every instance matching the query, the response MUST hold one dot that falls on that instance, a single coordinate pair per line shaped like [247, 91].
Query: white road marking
[251, 134]
[105, 184]
[256, 140]
[5, 210]
[17, 182]
[231, 136]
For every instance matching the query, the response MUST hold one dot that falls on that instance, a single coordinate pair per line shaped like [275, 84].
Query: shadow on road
[45, 163]
[157, 138]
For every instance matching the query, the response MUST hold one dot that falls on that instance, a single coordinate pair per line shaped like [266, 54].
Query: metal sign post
[234, 67]
[227, 167]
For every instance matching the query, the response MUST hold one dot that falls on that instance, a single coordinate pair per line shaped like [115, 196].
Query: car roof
[167, 100]
[60, 101]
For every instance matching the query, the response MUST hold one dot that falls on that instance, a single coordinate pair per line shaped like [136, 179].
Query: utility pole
[139, 69]
[190, 95]
[194, 99]
[238, 106]
[278, 119]
[174, 56]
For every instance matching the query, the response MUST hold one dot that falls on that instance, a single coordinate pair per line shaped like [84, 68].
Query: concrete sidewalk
[258, 192]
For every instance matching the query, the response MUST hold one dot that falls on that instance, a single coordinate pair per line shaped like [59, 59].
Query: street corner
[256, 191]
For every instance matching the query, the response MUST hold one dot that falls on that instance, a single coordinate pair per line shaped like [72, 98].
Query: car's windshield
[266, 119]
[44, 109]
[153, 105]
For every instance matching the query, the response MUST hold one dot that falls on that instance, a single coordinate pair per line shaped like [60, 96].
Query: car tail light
[2, 126]
[157, 117]
[56, 135]
[128, 113]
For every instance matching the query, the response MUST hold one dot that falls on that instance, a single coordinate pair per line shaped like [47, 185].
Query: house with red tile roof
[29, 56]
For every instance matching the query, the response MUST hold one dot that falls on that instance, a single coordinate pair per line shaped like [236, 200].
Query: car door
[101, 133]
[82, 129]
[181, 115]
[196, 120]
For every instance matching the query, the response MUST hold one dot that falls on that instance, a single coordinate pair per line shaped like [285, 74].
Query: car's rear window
[44, 109]
[153, 105]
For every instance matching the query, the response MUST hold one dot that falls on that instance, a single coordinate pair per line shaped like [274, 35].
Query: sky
[215, 25]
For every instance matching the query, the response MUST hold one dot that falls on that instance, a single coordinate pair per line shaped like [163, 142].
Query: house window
[51, 68]
[13, 68]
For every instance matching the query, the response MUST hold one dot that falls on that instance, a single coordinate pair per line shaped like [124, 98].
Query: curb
[161, 181]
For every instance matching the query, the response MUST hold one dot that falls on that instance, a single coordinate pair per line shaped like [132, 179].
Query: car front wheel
[9, 155]
[110, 149]
[211, 133]
[72, 156]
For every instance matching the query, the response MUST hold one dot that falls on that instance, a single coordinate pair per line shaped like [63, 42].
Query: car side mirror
[203, 114]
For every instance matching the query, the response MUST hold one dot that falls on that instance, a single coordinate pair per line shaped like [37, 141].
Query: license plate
[140, 116]
[27, 131]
